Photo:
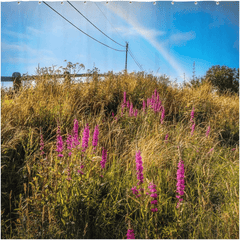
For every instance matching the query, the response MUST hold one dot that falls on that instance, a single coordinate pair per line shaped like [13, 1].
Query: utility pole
[193, 70]
[126, 56]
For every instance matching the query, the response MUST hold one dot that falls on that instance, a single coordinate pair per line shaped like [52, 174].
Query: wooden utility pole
[126, 56]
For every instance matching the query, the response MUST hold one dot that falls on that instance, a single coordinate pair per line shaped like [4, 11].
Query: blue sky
[164, 38]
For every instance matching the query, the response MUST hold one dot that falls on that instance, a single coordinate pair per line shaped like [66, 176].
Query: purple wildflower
[208, 131]
[135, 114]
[134, 190]
[166, 137]
[233, 149]
[131, 110]
[154, 195]
[95, 137]
[75, 132]
[104, 158]
[59, 145]
[192, 128]
[69, 144]
[139, 167]
[130, 234]
[180, 181]
[154, 202]
[127, 104]
[85, 138]
[154, 209]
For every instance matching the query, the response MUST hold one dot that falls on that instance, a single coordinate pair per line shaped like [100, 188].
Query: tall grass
[88, 193]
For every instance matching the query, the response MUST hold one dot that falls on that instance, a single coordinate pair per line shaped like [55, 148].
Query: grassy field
[91, 160]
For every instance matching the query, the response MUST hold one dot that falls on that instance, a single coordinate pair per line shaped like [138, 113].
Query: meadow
[130, 156]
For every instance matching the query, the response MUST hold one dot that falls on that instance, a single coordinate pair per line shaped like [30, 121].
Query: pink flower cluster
[129, 105]
[166, 138]
[75, 134]
[80, 171]
[136, 192]
[154, 195]
[95, 137]
[180, 182]
[154, 102]
[104, 158]
[69, 144]
[130, 234]
[139, 167]
[85, 138]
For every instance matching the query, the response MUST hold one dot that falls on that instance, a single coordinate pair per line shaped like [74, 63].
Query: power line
[83, 31]
[135, 60]
[109, 21]
[94, 25]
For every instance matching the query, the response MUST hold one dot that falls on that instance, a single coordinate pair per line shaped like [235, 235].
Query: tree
[223, 78]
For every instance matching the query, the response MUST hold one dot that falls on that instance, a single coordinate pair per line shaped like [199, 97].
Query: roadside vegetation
[127, 156]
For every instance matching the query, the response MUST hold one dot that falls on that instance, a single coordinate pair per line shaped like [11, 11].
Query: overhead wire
[94, 25]
[130, 52]
[135, 60]
[109, 21]
[83, 31]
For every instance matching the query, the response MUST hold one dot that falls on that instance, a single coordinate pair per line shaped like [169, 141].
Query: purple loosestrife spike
[208, 131]
[180, 181]
[233, 149]
[95, 137]
[154, 195]
[41, 144]
[112, 114]
[104, 158]
[69, 144]
[192, 115]
[130, 234]
[163, 115]
[124, 97]
[85, 138]
[166, 137]
[139, 167]
[59, 145]
[193, 128]
[134, 190]
[75, 132]
[135, 114]
[127, 104]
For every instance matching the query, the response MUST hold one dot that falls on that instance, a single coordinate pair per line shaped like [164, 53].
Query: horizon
[164, 39]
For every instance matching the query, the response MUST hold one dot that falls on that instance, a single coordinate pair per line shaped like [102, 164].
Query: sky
[164, 38]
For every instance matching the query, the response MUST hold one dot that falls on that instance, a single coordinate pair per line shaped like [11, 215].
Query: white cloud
[35, 31]
[24, 48]
[139, 31]
[151, 38]
[16, 34]
[181, 38]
